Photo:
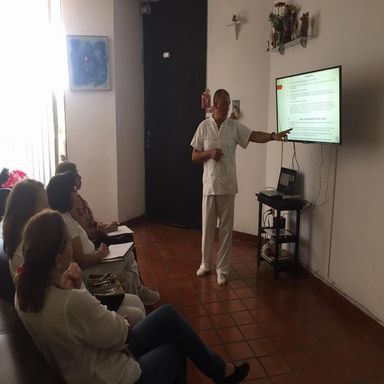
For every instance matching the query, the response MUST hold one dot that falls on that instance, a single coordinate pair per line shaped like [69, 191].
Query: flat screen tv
[310, 104]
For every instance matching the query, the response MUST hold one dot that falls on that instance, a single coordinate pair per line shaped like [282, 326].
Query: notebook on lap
[285, 186]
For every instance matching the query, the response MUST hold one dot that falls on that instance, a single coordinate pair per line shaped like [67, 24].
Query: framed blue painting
[88, 63]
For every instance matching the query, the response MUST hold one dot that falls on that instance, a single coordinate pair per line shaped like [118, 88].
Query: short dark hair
[4, 175]
[20, 207]
[44, 238]
[66, 166]
[219, 93]
[59, 191]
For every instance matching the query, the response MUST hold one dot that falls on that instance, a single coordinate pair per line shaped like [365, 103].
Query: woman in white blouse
[61, 190]
[87, 343]
[27, 198]
[62, 193]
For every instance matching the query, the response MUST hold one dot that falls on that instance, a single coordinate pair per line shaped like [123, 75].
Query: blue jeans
[162, 342]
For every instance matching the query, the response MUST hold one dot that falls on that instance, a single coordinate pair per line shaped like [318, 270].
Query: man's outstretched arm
[264, 137]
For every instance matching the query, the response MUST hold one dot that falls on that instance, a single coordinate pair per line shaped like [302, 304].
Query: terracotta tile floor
[290, 330]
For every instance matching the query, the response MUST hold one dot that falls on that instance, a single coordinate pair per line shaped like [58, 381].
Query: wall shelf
[281, 48]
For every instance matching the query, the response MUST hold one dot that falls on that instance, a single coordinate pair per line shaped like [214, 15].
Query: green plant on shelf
[284, 24]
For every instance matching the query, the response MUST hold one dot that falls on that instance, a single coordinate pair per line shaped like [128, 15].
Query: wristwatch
[273, 133]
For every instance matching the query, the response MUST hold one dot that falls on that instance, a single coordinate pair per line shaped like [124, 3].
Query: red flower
[20, 269]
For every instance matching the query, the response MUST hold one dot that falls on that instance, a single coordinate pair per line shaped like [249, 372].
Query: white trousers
[129, 276]
[215, 207]
[132, 308]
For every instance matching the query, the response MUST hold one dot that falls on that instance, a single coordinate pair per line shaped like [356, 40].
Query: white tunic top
[75, 230]
[81, 339]
[219, 177]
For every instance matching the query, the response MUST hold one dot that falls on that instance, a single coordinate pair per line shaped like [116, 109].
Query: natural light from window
[33, 69]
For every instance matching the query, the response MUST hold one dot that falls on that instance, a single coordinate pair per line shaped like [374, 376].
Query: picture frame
[88, 63]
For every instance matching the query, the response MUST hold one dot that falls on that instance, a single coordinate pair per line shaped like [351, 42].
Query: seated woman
[27, 198]
[61, 192]
[87, 343]
[81, 211]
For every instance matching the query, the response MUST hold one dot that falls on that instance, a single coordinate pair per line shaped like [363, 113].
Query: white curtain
[33, 76]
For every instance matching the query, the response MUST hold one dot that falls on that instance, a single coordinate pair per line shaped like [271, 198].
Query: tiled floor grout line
[315, 336]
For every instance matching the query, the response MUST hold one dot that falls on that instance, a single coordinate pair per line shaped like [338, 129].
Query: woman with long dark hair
[26, 198]
[87, 343]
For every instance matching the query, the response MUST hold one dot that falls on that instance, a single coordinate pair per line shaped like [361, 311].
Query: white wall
[129, 89]
[356, 260]
[105, 128]
[242, 67]
[341, 238]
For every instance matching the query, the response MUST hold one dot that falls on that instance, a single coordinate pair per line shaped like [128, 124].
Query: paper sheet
[117, 252]
[121, 230]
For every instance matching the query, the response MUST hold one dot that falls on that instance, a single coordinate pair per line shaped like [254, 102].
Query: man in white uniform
[214, 145]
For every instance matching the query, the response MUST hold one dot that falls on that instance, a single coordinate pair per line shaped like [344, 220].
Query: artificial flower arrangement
[285, 24]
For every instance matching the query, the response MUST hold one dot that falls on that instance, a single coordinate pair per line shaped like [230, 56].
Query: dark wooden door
[175, 35]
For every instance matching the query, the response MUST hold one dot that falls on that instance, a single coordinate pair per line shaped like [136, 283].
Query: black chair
[21, 362]
[4, 192]
[7, 289]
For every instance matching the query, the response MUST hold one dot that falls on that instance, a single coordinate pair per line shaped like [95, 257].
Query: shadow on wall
[306, 224]
[314, 24]
[299, 187]
[362, 110]
[317, 188]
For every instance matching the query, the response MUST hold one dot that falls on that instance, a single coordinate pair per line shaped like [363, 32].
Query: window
[33, 77]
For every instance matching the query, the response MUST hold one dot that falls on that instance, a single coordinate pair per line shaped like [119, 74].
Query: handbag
[107, 288]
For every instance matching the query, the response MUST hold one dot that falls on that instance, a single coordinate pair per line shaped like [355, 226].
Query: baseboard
[331, 284]
[135, 221]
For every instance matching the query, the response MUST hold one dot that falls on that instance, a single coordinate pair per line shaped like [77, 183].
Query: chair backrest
[7, 288]
[4, 192]
[21, 362]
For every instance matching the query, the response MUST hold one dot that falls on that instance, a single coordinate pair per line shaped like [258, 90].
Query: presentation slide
[309, 103]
